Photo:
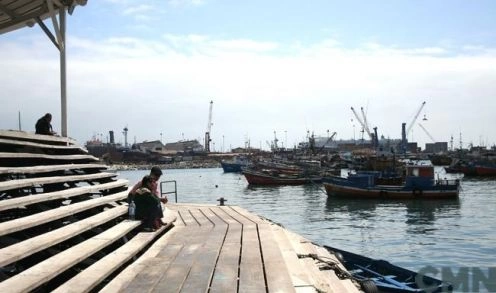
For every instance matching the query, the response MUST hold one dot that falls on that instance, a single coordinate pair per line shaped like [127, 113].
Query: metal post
[63, 77]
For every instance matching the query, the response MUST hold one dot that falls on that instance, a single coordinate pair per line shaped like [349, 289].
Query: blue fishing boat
[385, 276]
[419, 183]
[235, 165]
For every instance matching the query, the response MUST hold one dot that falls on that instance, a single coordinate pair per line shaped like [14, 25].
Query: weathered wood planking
[202, 270]
[21, 183]
[327, 282]
[251, 272]
[49, 168]
[97, 272]
[53, 266]
[124, 278]
[30, 246]
[299, 275]
[22, 135]
[28, 156]
[19, 202]
[58, 213]
[41, 145]
[225, 278]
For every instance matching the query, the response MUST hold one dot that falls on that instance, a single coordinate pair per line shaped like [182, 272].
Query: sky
[272, 68]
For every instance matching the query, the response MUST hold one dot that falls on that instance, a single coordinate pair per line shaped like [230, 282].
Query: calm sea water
[413, 234]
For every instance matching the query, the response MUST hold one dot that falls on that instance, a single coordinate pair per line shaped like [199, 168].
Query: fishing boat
[419, 183]
[271, 177]
[386, 276]
[235, 165]
[473, 168]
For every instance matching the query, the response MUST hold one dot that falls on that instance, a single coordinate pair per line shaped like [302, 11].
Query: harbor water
[450, 234]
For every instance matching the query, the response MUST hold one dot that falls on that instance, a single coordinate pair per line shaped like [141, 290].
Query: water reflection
[422, 215]
[419, 216]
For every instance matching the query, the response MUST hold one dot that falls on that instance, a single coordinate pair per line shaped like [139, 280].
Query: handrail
[169, 192]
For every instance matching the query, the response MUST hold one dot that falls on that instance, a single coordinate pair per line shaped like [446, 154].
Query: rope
[330, 265]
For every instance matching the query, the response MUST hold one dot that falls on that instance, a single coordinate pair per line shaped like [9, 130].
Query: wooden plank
[322, 281]
[150, 271]
[187, 217]
[276, 271]
[251, 271]
[346, 283]
[247, 214]
[225, 277]
[234, 231]
[30, 246]
[299, 275]
[200, 218]
[55, 265]
[173, 279]
[19, 202]
[124, 278]
[97, 272]
[49, 168]
[15, 184]
[42, 146]
[54, 214]
[202, 270]
[23, 135]
[22, 156]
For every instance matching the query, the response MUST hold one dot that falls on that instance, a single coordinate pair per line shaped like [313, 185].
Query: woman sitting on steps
[148, 206]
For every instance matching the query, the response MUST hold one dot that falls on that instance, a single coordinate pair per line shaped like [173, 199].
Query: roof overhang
[15, 14]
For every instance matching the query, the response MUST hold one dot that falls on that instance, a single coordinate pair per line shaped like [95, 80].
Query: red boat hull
[264, 179]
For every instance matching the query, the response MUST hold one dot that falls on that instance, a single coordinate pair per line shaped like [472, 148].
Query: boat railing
[162, 188]
[447, 182]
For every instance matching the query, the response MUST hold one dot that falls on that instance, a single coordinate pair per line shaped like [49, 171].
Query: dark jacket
[147, 206]
[43, 126]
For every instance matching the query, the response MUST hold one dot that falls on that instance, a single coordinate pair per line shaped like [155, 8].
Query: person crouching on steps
[155, 174]
[148, 206]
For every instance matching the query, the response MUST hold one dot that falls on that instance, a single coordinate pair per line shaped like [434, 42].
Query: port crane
[414, 119]
[209, 128]
[427, 132]
[363, 122]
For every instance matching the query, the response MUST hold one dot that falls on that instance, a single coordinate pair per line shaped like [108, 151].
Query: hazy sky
[285, 66]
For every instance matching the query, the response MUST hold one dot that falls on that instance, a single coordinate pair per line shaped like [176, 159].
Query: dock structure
[64, 228]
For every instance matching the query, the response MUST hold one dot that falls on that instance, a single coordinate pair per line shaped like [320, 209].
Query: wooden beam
[30, 246]
[50, 268]
[49, 168]
[58, 213]
[41, 146]
[21, 156]
[21, 183]
[23, 135]
[19, 202]
[97, 272]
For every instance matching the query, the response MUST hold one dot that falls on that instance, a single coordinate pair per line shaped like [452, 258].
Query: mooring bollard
[222, 200]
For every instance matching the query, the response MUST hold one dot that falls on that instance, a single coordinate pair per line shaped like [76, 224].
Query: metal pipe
[63, 74]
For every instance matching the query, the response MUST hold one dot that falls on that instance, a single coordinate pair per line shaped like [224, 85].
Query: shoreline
[178, 165]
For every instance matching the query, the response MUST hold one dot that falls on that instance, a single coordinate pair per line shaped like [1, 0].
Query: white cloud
[186, 2]
[257, 87]
[138, 9]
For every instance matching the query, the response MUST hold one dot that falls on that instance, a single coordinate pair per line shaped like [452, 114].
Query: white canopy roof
[15, 14]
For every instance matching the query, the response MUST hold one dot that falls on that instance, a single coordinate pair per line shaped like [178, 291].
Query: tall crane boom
[427, 132]
[209, 128]
[414, 119]
[366, 124]
[362, 123]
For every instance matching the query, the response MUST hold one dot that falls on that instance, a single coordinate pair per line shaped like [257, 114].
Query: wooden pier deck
[228, 249]
[64, 228]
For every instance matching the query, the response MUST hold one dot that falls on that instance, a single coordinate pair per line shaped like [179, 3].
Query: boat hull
[232, 167]
[340, 187]
[388, 277]
[255, 178]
